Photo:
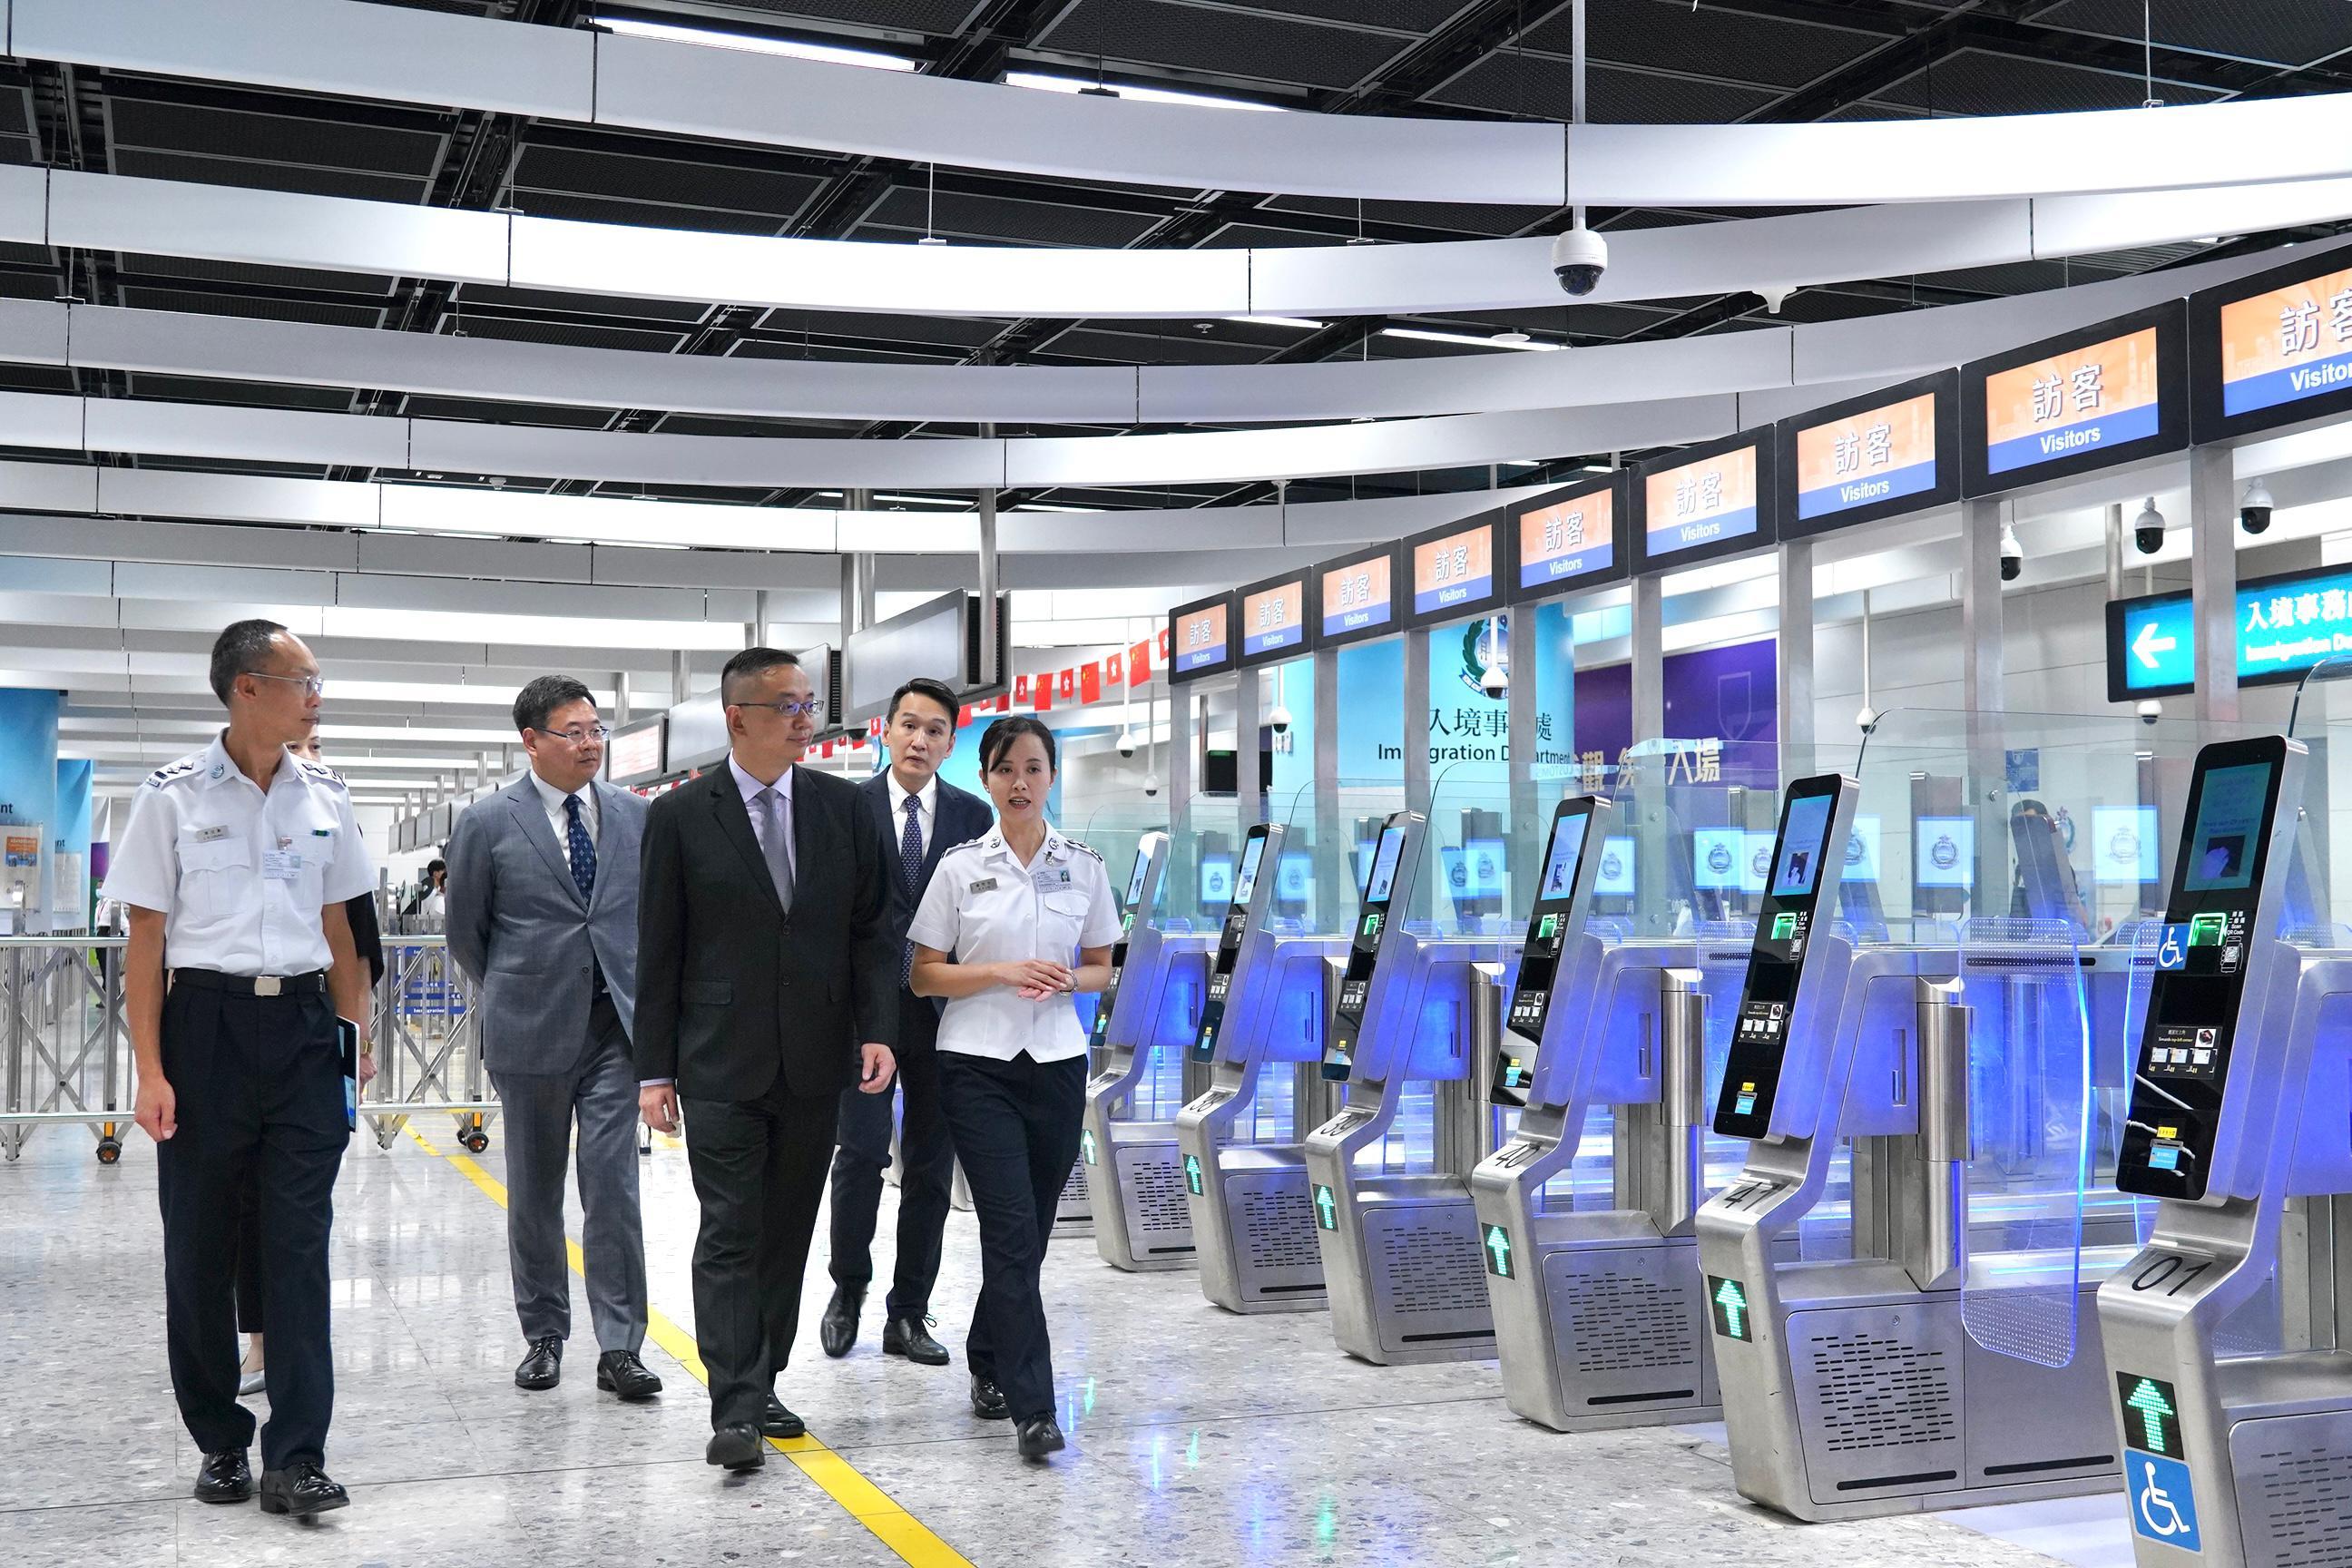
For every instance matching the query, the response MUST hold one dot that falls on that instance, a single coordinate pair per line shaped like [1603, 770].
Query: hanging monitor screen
[1569, 538]
[1201, 637]
[1704, 506]
[1454, 571]
[2273, 349]
[1879, 456]
[1358, 595]
[1274, 618]
[2110, 395]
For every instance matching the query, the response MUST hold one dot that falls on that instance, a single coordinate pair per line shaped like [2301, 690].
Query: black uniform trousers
[258, 1082]
[759, 1175]
[923, 1186]
[1016, 1129]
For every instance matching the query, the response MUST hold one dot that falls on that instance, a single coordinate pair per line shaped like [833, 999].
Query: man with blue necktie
[543, 896]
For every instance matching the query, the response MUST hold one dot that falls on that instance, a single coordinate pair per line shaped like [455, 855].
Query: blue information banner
[2284, 625]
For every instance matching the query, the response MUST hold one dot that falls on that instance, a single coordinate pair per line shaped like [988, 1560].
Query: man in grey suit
[542, 898]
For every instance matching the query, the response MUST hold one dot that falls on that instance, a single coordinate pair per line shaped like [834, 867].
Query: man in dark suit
[767, 983]
[923, 816]
[543, 916]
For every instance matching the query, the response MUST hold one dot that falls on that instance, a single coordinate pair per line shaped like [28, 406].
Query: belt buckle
[267, 985]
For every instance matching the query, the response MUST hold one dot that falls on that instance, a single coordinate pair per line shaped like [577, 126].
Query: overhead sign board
[2285, 625]
[1570, 539]
[1880, 456]
[1357, 594]
[1274, 619]
[2105, 394]
[1201, 638]
[1706, 501]
[1456, 569]
[2273, 349]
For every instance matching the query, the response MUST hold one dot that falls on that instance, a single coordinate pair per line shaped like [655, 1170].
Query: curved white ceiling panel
[418, 57]
[1886, 347]
[112, 212]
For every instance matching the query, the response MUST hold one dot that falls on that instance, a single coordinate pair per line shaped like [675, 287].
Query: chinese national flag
[1114, 670]
[1065, 688]
[1090, 683]
[826, 750]
[1043, 692]
[1138, 664]
[1021, 689]
[963, 717]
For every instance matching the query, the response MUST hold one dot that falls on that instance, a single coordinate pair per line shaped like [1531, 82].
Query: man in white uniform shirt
[234, 867]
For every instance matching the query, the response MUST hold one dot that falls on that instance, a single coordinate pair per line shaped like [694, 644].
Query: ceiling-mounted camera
[2012, 555]
[1278, 719]
[2148, 529]
[1578, 258]
[2256, 507]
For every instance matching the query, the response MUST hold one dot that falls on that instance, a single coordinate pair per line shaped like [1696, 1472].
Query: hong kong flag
[1115, 670]
[1167, 643]
[1065, 685]
[1021, 689]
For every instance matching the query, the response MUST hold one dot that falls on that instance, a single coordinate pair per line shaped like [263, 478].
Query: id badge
[282, 864]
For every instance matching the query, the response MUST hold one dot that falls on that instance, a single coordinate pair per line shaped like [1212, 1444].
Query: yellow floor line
[864, 1501]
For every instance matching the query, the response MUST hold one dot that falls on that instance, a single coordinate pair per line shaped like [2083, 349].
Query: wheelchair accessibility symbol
[2172, 951]
[2164, 1507]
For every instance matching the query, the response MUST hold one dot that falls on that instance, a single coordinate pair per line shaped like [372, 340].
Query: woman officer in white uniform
[997, 931]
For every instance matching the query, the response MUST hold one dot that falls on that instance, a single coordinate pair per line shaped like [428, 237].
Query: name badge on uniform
[985, 885]
[211, 835]
[281, 865]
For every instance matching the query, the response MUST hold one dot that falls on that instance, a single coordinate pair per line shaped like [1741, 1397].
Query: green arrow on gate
[1327, 1212]
[1734, 1302]
[2154, 1409]
[1087, 1144]
[1498, 1247]
[1192, 1174]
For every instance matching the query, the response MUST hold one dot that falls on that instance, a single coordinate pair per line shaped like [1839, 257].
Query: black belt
[253, 985]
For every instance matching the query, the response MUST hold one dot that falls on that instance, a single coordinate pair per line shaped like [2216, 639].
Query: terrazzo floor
[1197, 1437]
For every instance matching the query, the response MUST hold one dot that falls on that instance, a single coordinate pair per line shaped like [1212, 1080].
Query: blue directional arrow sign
[1326, 1208]
[1498, 1247]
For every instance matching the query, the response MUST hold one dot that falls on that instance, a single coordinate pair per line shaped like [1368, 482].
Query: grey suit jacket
[519, 928]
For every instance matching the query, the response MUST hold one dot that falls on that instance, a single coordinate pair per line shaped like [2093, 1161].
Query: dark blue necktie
[910, 866]
[583, 852]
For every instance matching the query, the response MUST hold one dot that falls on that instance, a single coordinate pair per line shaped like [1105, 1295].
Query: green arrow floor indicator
[1087, 1144]
[1728, 1302]
[1327, 1211]
[1192, 1174]
[1498, 1247]
[2150, 1414]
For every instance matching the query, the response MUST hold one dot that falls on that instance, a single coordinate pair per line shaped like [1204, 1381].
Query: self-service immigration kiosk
[1400, 1248]
[2228, 1336]
[1246, 1195]
[1598, 1315]
[1920, 1372]
[1135, 1182]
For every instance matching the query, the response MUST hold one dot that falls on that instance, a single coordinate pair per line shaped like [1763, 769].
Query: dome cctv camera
[1150, 784]
[1495, 680]
[1278, 720]
[2256, 507]
[2150, 711]
[2012, 554]
[1126, 743]
[2148, 529]
[1868, 720]
[1578, 258]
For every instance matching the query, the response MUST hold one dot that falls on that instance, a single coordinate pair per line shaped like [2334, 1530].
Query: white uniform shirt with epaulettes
[983, 906]
[240, 874]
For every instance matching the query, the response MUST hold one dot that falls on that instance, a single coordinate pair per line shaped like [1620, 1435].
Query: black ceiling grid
[1653, 61]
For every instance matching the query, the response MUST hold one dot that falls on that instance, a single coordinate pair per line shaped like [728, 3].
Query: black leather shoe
[225, 1477]
[301, 1488]
[988, 1400]
[736, 1447]
[911, 1337]
[543, 1367]
[621, 1372]
[837, 1330]
[776, 1421]
[1040, 1435]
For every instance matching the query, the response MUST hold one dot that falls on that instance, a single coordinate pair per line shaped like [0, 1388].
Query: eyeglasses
[597, 733]
[313, 684]
[809, 708]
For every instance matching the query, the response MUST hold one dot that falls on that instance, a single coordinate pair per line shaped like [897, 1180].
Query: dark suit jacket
[732, 990]
[960, 817]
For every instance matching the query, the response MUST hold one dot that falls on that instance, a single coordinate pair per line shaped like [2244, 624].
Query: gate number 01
[2169, 1271]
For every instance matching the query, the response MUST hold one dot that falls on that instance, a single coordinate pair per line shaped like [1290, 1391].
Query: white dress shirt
[553, 799]
[238, 873]
[927, 812]
[985, 907]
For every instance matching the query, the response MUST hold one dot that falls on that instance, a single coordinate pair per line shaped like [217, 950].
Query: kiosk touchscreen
[1817, 816]
[1390, 865]
[1562, 894]
[2209, 949]
[1231, 934]
[1150, 865]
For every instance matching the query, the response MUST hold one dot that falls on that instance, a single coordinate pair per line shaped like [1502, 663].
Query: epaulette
[163, 775]
[322, 773]
[1083, 848]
